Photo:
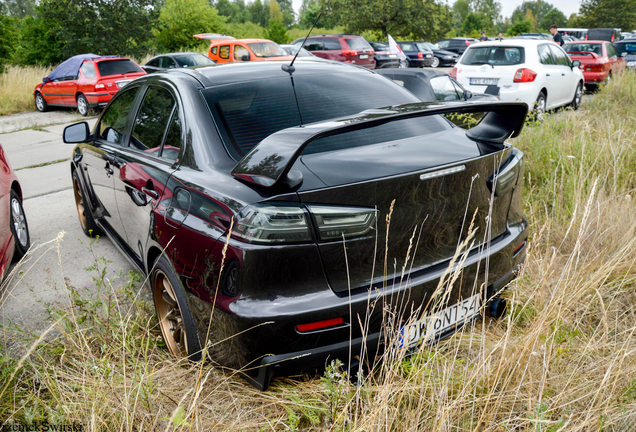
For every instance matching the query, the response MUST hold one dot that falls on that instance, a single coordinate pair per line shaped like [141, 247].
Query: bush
[180, 19]
[247, 30]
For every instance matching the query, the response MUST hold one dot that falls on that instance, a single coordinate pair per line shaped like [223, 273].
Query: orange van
[226, 49]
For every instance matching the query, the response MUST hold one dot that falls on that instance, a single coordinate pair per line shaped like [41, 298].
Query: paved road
[40, 159]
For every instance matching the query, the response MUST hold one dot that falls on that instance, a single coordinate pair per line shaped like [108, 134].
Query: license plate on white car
[429, 327]
[363, 56]
[392, 55]
[484, 81]
[120, 84]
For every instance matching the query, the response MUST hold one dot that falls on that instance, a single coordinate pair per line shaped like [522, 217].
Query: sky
[568, 7]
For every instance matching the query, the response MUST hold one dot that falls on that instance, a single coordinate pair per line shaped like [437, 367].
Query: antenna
[290, 67]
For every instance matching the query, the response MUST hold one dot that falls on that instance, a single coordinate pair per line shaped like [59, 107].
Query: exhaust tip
[496, 307]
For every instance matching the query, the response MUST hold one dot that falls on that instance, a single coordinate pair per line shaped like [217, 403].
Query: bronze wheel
[83, 210]
[169, 315]
[79, 203]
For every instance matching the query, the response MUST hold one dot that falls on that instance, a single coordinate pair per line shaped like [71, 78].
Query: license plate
[429, 55]
[363, 56]
[120, 84]
[428, 328]
[393, 55]
[484, 81]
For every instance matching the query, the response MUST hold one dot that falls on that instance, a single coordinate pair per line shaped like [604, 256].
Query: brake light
[453, 73]
[525, 75]
[594, 68]
[349, 52]
[420, 55]
[319, 324]
[99, 86]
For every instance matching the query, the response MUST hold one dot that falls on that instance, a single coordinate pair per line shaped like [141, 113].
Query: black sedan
[176, 60]
[384, 58]
[255, 198]
[433, 85]
[441, 57]
[418, 55]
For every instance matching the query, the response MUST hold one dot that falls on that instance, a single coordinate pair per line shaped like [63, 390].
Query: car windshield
[626, 47]
[357, 43]
[267, 49]
[188, 60]
[494, 55]
[423, 46]
[584, 48]
[248, 112]
[430, 46]
[117, 67]
[380, 46]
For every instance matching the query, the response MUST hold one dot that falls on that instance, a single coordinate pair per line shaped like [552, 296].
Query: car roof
[587, 41]
[513, 42]
[226, 73]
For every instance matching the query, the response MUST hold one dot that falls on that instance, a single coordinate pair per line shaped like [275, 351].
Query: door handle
[109, 170]
[562, 74]
[547, 74]
[153, 194]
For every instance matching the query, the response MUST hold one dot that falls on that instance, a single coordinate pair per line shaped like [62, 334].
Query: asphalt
[60, 252]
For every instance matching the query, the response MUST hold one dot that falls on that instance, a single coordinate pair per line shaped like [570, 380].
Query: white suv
[536, 72]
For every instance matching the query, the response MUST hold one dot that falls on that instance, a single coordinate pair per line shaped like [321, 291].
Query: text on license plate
[392, 55]
[363, 56]
[484, 81]
[120, 84]
[427, 328]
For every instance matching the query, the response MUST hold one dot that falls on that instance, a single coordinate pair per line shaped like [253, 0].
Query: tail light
[509, 173]
[453, 73]
[268, 223]
[318, 325]
[99, 86]
[594, 68]
[525, 75]
[350, 53]
[420, 55]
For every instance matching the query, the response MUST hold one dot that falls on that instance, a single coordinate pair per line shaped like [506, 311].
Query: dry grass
[16, 88]
[564, 358]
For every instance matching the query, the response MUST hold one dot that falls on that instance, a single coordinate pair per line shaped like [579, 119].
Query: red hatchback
[347, 48]
[599, 60]
[85, 81]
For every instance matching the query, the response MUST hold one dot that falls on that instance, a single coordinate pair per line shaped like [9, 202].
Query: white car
[537, 72]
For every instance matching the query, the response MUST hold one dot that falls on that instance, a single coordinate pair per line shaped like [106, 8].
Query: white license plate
[429, 55]
[120, 84]
[363, 56]
[427, 328]
[393, 55]
[484, 81]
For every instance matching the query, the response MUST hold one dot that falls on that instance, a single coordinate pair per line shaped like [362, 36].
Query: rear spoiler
[583, 53]
[269, 163]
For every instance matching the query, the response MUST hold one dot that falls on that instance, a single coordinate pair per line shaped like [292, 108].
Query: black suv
[418, 54]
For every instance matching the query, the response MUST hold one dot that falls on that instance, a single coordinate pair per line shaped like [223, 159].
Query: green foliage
[471, 15]
[276, 31]
[18, 8]
[38, 43]
[474, 23]
[180, 19]
[425, 19]
[555, 16]
[608, 13]
[233, 11]
[309, 12]
[8, 37]
[259, 12]
[246, 30]
[523, 26]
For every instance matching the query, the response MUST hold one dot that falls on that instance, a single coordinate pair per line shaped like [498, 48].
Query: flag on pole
[395, 49]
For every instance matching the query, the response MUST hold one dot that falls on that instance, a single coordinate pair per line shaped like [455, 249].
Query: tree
[490, 10]
[180, 19]
[259, 13]
[8, 38]
[573, 21]
[555, 16]
[538, 8]
[234, 11]
[18, 8]
[474, 22]
[523, 26]
[276, 30]
[608, 13]
[287, 12]
[421, 19]
[309, 11]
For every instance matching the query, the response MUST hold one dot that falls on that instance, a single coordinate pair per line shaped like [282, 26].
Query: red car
[347, 48]
[85, 81]
[599, 60]
[14, 230]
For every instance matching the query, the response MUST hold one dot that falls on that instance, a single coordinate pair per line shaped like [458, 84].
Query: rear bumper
[595, 77]
[414, 62]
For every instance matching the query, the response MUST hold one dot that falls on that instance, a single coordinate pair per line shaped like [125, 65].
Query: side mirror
[45, 80]
[467, 94]
[575, 64]
[246, 57]
[76, 133]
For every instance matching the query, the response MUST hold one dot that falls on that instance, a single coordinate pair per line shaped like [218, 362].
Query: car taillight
[420, 55]
[350, 52]
[509, 173]
[525, 75]
[99, 86]
[594, 68]
[453, 73]
[268, 223]
[318, 325]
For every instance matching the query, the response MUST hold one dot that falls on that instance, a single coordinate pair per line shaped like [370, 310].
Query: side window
[111, 127]
[241, 53]
[314, 44]
[444, 89]
[443, 44]
[152, 120]
[168, 63]
[172, 143]
[611, 51]
[224, 52]
[407, 47]
[331, 44]
[214, 50]
[560, 57]
[154, 63]
[88, 69]
[544, 55]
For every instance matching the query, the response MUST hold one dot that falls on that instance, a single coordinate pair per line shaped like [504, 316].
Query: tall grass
[16, 88]
[564, 357]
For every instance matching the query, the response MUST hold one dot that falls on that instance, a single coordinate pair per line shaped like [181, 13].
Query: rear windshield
[584, 48]
[357, 43]
[117, 67]
[626, 47]
[248, 112]
[494, 55]
[267, 49]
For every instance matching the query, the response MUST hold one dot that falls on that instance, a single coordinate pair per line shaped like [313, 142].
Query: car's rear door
[566, 79]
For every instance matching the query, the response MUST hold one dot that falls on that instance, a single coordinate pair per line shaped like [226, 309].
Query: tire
[84, 213]
[404, 64]
[609, 79]
[177, 325]
[539, 109]
[578, 96]
[435, 62]
[19, 227]
[82, 105]
[40, 103]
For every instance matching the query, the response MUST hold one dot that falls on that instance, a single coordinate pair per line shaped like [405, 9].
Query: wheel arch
[15, 186]
[152, 256]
